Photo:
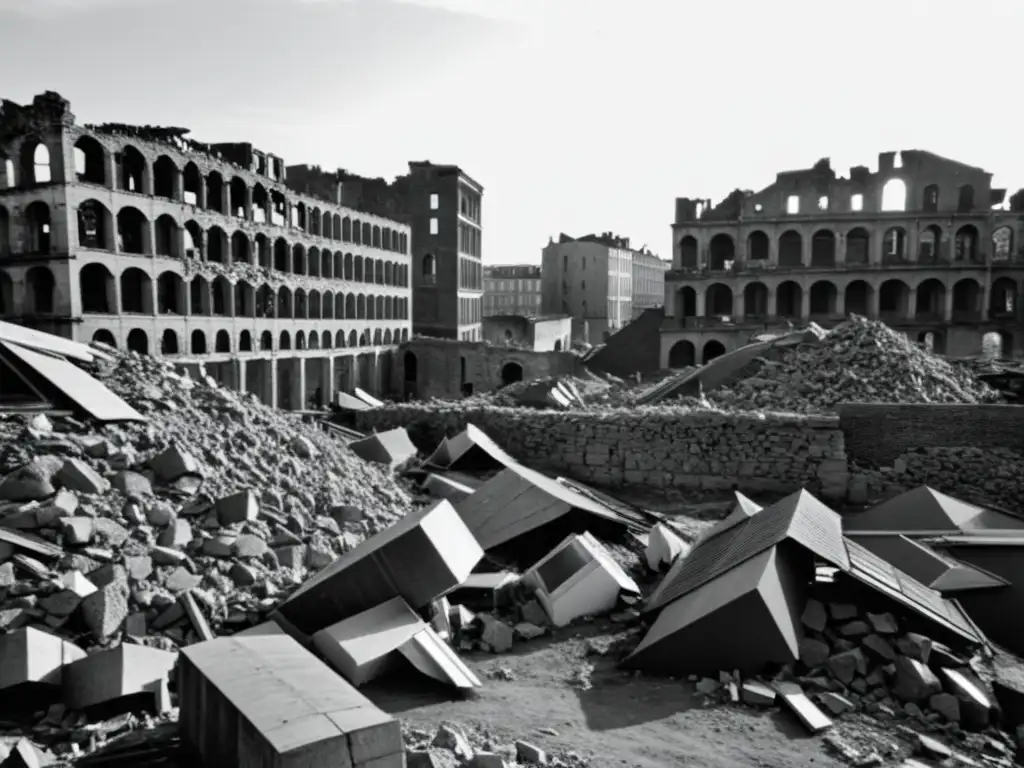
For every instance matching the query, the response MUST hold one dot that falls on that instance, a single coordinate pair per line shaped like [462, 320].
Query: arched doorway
[511, 373]
[712, 350]
[682, 355]
[103, 336]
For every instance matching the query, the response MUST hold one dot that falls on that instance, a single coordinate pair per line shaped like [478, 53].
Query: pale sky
[575, 115]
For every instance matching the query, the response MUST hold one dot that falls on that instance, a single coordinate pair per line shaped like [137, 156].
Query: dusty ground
[622, 720]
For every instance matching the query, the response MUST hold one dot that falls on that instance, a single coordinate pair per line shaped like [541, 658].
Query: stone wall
[443, 367]
[657, 448]
[879, 433]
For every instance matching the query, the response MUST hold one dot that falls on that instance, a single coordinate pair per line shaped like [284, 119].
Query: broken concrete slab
[30, 655]
[421, 557]
[108, 675]
[796, 700]
[361, 647]
[577, 578]
[264, 700]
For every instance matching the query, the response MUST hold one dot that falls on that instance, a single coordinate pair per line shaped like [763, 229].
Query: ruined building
[916, 244]
[142, 238]
[442, 204]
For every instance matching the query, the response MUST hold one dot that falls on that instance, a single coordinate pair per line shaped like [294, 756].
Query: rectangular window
[433, 226]
[435, 202]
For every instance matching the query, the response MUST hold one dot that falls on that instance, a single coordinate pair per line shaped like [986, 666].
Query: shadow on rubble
[617, 701]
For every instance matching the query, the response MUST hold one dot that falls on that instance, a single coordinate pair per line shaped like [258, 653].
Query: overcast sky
[575, 115]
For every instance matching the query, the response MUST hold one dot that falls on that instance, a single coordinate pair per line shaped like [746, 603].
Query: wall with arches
[442, 368]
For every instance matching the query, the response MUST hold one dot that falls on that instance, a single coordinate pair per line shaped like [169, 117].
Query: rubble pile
[453, 742]
[162, 532]
[591, 389]
[858, 361]
[988, 477]
[853, 661]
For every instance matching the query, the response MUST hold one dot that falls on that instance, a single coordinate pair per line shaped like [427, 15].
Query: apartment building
[512, 290]
[648, 281]
[442, 205]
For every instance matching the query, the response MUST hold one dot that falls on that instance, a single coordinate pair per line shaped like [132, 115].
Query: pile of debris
[990, 477]
[859, 361]
[561, 392]
[161, 532]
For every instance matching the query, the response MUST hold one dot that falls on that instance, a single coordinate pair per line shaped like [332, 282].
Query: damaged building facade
[144, 239]
[442, 204]
[916, 244]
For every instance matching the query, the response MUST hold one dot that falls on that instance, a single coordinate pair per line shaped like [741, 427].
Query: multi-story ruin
[917, 244]
[144, 239]
[442, 204]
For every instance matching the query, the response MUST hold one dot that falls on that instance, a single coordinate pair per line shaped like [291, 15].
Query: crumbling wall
[879, 433]
[656, 448]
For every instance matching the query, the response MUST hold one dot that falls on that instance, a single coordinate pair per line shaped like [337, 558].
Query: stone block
[30, 655]
[264, 700]
[237, 508]
[107, 675]
[172, 463]
[78, 476]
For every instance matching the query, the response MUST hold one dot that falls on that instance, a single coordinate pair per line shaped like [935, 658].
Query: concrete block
[237, 508]
[32, 655]
[108, 675]
[419, 558]
[172, 463]
[264, 700]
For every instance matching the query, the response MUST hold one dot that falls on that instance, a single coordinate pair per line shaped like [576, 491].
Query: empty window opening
[895, 245]
[165, 178]
[169, 343]
[429, 270]
[433, 226]
[41, 164]
[170, 294]
[192, 184]
[215, 192]
[198, 342]
[138, 341]
[1002, 243]
[38, 216]
[9, 173]
[931, 198]
[897, 160]
[823, 203]
[894, 195]
[131, 231]
[136, 292]
[965, 199]
[41, 288]
[435, 202]
[97, 288]
[857, 202]
[236, 197]
[222, 341]
[758, 208]
[132, 166]
[89, 161]
[793, 204]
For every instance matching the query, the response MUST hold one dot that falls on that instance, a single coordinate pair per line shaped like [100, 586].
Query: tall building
[648, 281]
[916, 244]
[442, 204]
[512, 290]
[590, 279]
[202, 253]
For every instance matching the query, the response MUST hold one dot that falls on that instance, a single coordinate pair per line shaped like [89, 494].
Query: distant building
[512, 290]
[541, 334]
[590, 279]
[917, 244]
[443, 206]
[648, 281]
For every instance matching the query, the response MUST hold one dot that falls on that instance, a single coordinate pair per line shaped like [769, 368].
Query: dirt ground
[533, 693]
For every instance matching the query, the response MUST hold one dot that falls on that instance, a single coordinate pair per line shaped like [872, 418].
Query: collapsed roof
[925, 510]
[36, 373]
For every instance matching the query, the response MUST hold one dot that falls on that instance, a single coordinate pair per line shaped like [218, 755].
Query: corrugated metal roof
[872, 570]
[799, 517]
[88, 393]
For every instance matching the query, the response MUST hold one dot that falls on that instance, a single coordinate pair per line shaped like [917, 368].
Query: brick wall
[877, 434]
[657, 448]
